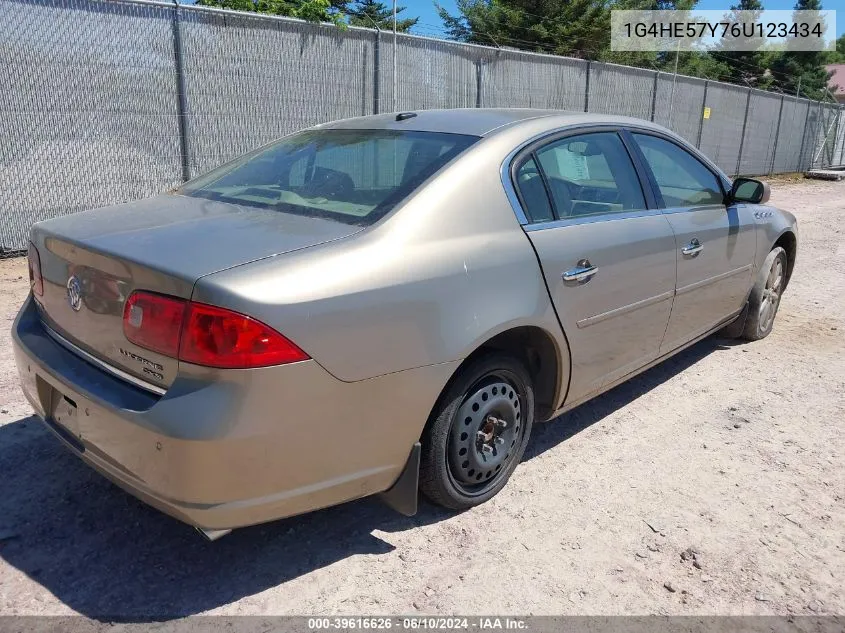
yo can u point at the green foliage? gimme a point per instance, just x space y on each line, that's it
837 56
578 28
564 27
581 28
696 64
366 13
805 69
372 13
746 68
311 10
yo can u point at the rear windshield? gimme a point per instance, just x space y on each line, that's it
353 176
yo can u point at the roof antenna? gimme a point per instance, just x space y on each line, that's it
405 115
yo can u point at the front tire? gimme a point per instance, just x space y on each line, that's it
765 296
477 433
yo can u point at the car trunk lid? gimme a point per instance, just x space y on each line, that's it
92 261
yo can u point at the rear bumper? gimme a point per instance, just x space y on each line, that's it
227 448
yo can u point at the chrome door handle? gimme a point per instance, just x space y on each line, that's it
583 271
693 247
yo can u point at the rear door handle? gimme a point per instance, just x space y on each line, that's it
694 247
583 271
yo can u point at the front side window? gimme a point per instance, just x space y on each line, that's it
352 176
590 174
683 180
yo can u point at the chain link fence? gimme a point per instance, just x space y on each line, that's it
109 101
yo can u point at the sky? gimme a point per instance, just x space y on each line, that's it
431 25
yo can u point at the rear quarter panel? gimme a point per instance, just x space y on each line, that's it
772 223
428 284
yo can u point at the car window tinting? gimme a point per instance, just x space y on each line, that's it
353 176
535 200
683 180
591 174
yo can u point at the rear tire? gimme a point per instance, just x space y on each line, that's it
765 296
477 433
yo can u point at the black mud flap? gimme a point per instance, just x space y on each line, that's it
402 496
735 328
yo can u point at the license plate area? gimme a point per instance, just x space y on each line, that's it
64 413
64 419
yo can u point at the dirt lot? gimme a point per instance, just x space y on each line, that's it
733 450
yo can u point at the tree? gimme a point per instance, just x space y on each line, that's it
695 64
746 68
311 10
837 56
370 13
802 68
692 63
578 28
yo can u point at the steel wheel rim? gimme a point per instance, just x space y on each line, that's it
771 294
486 434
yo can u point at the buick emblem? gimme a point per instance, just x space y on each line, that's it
74 293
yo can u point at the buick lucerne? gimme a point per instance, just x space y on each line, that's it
384 305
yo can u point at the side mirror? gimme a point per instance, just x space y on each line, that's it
750 190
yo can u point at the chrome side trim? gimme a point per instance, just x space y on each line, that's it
590 219
578 128
568 406
114 371
701 207
598 318
711 280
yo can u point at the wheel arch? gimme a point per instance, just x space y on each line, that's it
547 362
788 242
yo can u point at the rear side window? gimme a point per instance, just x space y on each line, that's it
590 174
535 201
683 180
353 176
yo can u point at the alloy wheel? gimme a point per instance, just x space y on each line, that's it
771 294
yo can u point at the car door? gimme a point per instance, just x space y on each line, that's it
608 259
715 244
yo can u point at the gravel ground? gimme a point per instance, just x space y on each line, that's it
712 484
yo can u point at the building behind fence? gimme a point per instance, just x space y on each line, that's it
109 101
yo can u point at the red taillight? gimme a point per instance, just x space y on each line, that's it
36 281
204 335
221 338
154 321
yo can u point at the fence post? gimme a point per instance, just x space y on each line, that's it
777 135
587 88
804 137
701 114
815 134
742 137
842 151
479 82
377 72
835 136
181 97
832 153
819 125
654 94
820 128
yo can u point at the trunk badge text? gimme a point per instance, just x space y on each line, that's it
149 367
74 293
